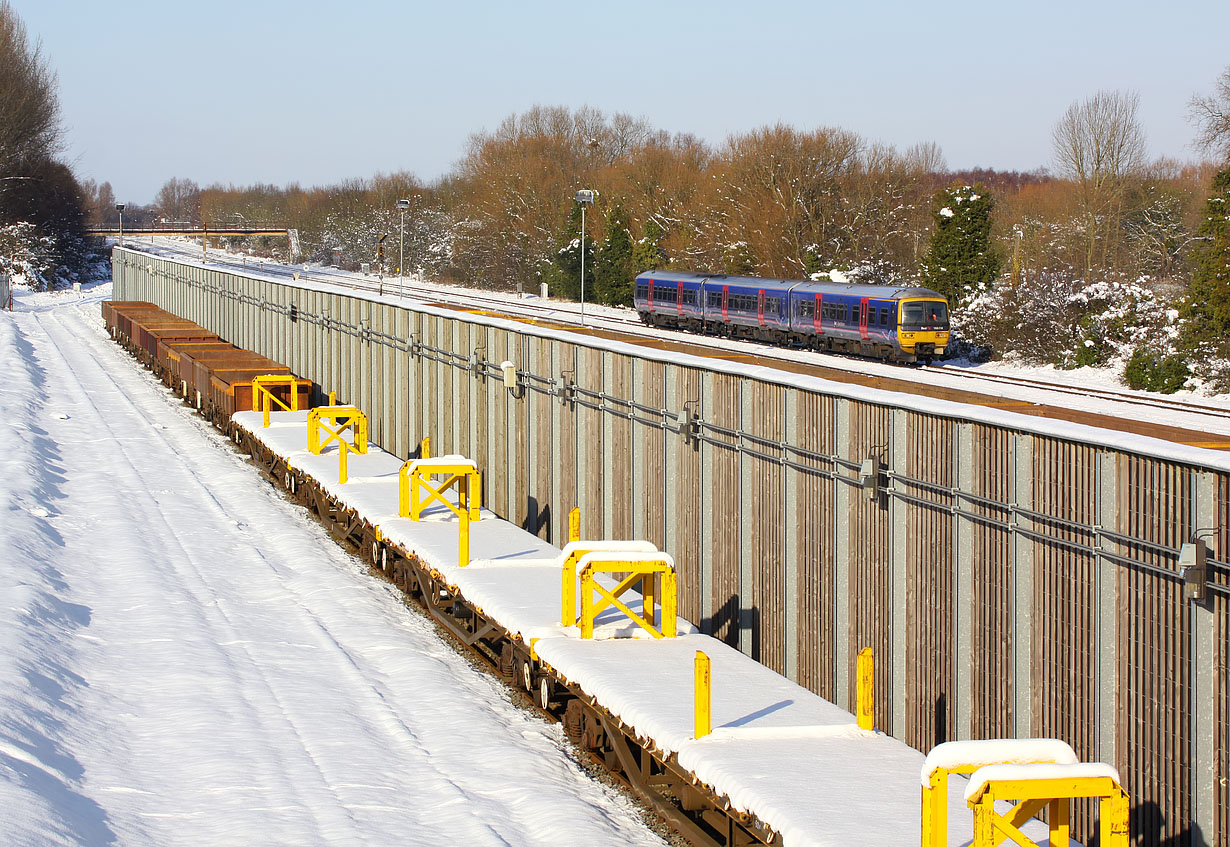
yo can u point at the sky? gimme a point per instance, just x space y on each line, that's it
315 92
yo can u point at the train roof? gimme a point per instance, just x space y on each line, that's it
890 292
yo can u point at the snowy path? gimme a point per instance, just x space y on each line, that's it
186 659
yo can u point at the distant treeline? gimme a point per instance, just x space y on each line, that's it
779 201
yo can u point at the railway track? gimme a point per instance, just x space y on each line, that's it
1123 404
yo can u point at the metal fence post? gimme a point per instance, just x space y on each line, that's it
790 541
843 650
1206 704
1022 553
899 546
1105 603
748 509
963 586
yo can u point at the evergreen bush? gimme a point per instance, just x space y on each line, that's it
1149 370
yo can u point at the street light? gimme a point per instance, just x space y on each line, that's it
585 197
119 207
401 258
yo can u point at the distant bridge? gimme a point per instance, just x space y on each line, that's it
194 232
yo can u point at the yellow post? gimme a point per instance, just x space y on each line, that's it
1061 825
703 714
935 810
866 689
1113 826
425 448
343 452
332 398
574 524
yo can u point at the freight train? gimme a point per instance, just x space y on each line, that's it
899 324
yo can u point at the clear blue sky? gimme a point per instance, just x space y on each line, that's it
315 92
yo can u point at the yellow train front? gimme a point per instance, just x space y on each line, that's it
922 327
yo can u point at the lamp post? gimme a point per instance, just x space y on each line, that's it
401 250
585 197
119 207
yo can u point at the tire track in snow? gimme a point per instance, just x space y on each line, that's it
399 731
370 677
196 601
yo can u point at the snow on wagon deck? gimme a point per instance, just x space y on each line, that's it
791 758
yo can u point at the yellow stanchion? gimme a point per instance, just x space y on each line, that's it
1032 788
425 447
574 524
263 399
415 480
595 597
343 418
866 689
703 721
965 757
572 554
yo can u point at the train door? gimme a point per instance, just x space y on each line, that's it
760 307
725 304
862 319
818 315
651 295
679 297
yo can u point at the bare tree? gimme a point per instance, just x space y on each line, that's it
1099 144
1211 115
104 203
29 109
926 157
179 201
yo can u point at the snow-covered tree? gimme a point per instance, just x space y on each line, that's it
613 266
1207 309
961 261
562 271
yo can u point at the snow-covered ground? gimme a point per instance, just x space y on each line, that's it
186 658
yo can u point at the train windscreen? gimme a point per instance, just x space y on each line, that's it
930 314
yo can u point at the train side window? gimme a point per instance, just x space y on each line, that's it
884 316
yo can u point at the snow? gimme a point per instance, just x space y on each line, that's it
778 751
947 212
185 658
513 576
970 755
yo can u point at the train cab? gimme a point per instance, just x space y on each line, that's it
922 327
